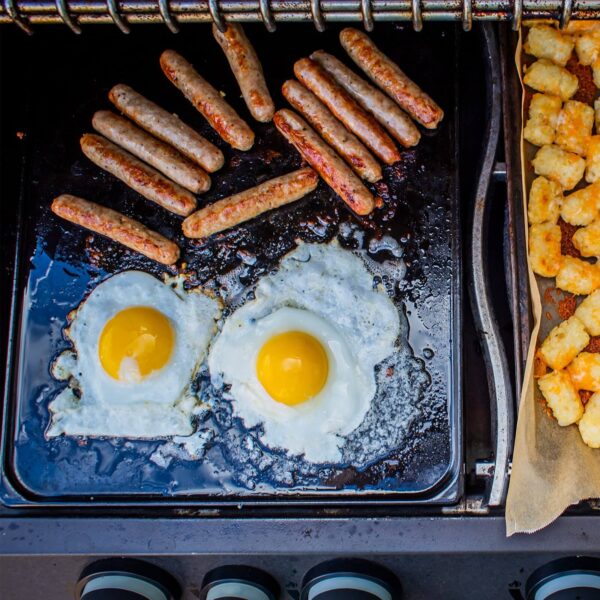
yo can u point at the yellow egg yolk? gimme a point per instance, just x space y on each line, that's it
135 342
292 367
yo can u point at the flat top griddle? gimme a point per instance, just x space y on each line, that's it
60 264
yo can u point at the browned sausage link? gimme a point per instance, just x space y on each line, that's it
247 70
147 148
332 131
341 104
250 203
138 175
166 127
117 227
390 78
222 118
336 173
385 110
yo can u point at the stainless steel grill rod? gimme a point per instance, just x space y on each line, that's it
74 13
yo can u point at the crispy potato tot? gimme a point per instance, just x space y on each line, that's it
592 159
597 114
562 397
540 129
587 240
587 46
564 343
545 76
589 424
544 41
585 371
545 199
545 107
538 133
566 168
544 249
588 312
581 207
574 127
578 276
579 27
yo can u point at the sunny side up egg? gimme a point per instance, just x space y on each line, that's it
137 343
300 357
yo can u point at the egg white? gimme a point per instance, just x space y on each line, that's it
94 403
327 292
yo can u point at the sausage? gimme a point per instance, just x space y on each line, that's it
341 104
247 70
166 127
390 78
138 175
336 173
332 131
117 227
207 100
250 203
385 110
156 153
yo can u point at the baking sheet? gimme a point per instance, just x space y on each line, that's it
552 467
64 85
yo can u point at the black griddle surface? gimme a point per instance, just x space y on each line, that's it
64 81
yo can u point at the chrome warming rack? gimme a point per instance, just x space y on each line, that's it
123 13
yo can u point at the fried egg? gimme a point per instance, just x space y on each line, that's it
300 357
137 343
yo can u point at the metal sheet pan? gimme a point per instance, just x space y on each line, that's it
62 81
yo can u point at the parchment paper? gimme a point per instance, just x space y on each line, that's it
552 467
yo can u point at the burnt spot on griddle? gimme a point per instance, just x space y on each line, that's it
586 92
567 231
594 345
566 307
585 395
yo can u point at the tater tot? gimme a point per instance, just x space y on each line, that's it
587 47
585 371
574 127
587 240
577 276
581 207
564 343
588 312
589 424
538 133
566 168
544 41
545 199
597 114
592 159
545 76
543 116
562 397
579 27
544 249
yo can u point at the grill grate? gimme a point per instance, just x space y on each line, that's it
122 13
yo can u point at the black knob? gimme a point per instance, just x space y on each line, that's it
239 582
126 579
573 578
350 579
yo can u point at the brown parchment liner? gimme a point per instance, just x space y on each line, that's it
552 467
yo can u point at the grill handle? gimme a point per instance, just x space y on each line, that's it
122 13
494 352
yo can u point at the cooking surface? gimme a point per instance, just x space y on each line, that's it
62 263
